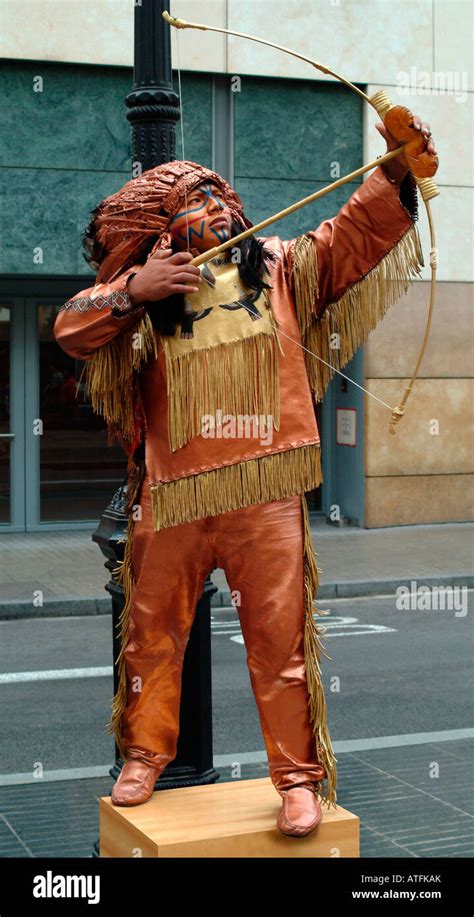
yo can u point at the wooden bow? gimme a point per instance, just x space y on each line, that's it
398 121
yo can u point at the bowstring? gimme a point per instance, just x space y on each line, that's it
338 371
182 137
333 368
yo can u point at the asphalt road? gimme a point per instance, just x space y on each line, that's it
400 672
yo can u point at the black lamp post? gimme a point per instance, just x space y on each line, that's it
153 112
153 103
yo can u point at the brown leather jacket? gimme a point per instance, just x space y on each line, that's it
347 248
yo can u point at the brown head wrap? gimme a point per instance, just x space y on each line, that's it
144 207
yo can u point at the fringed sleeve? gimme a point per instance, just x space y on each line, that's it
346 273
101 326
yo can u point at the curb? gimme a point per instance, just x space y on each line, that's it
72 606
66 606
361 588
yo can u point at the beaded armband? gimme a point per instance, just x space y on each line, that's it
119 302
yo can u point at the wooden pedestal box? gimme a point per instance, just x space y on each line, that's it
235 819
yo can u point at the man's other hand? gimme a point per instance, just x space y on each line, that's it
163 275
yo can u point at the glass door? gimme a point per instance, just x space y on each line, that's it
7 435
12 457
75 472
56 469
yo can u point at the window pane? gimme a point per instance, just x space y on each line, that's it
5 429
79 472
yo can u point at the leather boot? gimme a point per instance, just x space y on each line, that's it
134 784
300 812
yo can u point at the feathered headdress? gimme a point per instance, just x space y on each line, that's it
123 223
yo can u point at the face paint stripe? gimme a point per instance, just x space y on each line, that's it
220 233
200 235
207 191
192 222
184 213
183 228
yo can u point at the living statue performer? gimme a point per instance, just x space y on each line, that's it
170 349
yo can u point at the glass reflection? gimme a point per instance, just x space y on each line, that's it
79 472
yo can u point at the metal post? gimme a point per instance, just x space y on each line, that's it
153 112
154 106
193 762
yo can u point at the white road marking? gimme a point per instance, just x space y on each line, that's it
337 626
8 678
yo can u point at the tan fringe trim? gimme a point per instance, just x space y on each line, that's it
305 281
271 477
240 377
124 577
357 312
313 649
109 372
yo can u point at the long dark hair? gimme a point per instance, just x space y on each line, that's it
167 313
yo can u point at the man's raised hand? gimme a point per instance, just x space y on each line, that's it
163 275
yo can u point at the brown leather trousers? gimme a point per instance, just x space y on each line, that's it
260 548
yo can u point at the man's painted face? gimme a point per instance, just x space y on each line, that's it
206 220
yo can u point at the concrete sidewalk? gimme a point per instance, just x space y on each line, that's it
68 568
402 811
